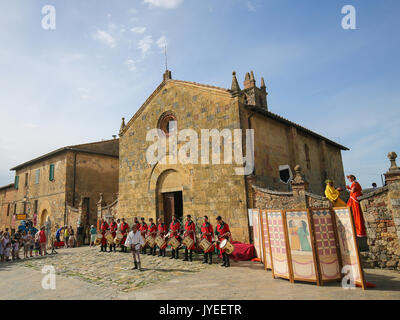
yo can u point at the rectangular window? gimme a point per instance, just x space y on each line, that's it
24 207
26 179
51 174
16 183
35 206
37 176
8 210
15 208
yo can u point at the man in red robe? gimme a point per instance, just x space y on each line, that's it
124 228
152 232
113 230
103 229
190 231
143 230
207 232
223 232
356 192
174 228
161 231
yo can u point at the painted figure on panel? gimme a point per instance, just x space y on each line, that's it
294 237
304 236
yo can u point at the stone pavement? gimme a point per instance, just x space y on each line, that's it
85 273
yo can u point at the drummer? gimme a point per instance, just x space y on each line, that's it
113 230
136 221
174 228
103 228
222 231
207 233
143 229
124 228
190 231
161 232
152 232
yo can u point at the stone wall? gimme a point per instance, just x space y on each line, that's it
7 195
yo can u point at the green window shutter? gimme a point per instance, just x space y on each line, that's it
37 176
16 182
51 176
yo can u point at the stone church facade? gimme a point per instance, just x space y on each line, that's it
163 189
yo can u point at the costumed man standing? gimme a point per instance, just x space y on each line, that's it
124 228
174 228
152 232
222 231
190 230
143 230
135 241
207 232
161 231
103 228
113 230
356 192
333 194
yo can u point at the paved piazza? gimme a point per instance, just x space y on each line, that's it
86 273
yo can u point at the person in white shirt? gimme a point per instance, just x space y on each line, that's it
135 241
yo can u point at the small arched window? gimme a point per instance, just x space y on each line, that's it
165 123
307 153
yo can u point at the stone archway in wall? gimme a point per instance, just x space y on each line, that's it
169 184
44 215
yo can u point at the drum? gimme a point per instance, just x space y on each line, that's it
150 241
205 245
110 238
187 242
97 241
119 235
99 236
227 246
174 243
161 243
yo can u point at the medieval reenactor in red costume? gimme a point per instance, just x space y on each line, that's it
356 192
190 231
113 229
143 230
207 232
152 232
223 232
103 228
174 228
124 228
162 231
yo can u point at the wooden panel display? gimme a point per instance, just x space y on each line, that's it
257 234
265 240
301 246
278 243
349 251
326 245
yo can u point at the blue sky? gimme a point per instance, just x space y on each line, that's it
73 84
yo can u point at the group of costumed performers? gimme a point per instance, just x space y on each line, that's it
355 189
143 235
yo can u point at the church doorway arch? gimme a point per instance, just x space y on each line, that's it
43 217
169 195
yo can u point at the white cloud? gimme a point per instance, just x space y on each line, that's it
250 6
145 45
131 64
105 38
138 30
162 42
168 4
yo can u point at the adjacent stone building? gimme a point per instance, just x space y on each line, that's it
7 206
45 187
162 189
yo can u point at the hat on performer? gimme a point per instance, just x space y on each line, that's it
328 181
219 218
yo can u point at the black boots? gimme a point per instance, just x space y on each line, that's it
111 247
144 250
191 256
172 254
124 249
136 265
176 254
151 251
160 252
163 252
186 255
226 262
207 258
